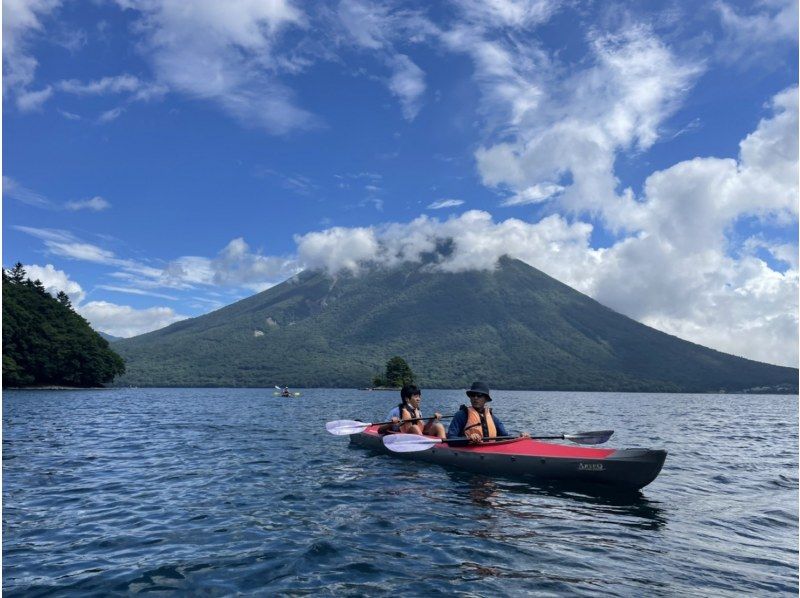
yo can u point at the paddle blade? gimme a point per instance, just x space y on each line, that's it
345 427
596 437
408 443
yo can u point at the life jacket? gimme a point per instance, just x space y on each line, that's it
484 420
407 412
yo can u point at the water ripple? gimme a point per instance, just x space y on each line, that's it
232 491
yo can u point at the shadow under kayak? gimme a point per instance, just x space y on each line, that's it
628 469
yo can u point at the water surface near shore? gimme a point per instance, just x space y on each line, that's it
235 490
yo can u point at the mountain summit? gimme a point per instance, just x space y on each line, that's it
514 327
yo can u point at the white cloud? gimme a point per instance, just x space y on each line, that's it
374 26
751 36
14 190
126 321
135 291
508 13
616 104
368 24
676 270
110 115
445 203
408 84
236 265
28 101
535 194
508 70
22 19
69 115
233 63
65 244
55 281
337 248
95 204
82 251
129 84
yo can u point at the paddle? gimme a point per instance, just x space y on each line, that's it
411 443
345 427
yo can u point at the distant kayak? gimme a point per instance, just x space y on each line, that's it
285 394
628 469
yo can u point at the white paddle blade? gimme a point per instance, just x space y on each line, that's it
408 443
597 437
345 427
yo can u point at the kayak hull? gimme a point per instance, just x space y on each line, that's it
625 469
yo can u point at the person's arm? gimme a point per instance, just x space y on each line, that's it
457 424
394 418
501 429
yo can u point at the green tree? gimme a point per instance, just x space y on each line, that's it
63 299
46 342
398 372
17 273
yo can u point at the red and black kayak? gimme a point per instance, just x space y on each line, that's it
524 458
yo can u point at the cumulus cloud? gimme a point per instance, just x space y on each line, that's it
126 321
56 280
675 270
94 204
237 265
569 143
337 248
118 320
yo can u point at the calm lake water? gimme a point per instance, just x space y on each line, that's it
224 491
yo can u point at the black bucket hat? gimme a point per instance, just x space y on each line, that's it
479 388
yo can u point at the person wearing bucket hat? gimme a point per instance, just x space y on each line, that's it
477 422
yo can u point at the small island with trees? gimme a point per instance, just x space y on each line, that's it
398 374
47 344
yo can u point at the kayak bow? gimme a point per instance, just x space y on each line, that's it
524 458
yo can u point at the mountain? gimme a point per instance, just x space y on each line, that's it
110 337
46 343
514 327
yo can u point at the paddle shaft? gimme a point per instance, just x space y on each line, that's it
406 421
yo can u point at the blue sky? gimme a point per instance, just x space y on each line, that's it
163 158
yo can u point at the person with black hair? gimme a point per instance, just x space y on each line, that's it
404 415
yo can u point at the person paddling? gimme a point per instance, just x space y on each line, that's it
408 409
477 421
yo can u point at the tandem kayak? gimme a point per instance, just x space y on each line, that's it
523 458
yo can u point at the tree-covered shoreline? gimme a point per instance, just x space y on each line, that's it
46 345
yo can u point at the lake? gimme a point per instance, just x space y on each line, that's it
219 491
